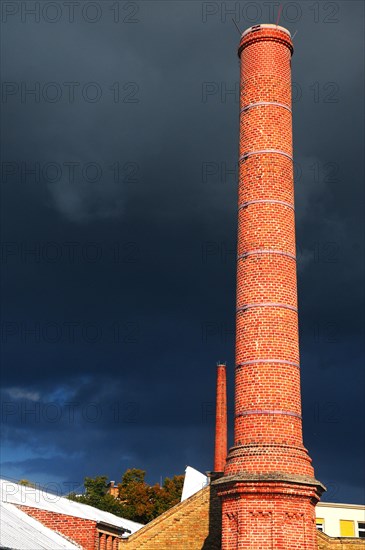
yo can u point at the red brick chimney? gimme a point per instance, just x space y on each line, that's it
268 489
220 453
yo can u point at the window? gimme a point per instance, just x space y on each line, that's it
347 528
361 529
320 524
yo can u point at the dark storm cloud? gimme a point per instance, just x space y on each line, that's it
118 253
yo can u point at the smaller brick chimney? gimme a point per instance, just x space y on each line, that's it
220 453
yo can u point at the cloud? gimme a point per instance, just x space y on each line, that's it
23 393
161 292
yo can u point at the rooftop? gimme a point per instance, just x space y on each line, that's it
13 493
21 532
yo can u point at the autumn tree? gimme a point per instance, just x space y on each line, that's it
135 496
168 495
136 499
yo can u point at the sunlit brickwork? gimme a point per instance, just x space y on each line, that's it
220 451
268 489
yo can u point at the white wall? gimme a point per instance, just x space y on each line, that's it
332 513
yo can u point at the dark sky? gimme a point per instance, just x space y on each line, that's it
119 231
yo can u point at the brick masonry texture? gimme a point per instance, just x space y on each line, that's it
79 530
192 524
84 532
266 497
328 543
268 490
220 451
195 524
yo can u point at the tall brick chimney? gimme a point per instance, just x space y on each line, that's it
220 453
268 489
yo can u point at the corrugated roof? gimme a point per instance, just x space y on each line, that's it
18 531
38 498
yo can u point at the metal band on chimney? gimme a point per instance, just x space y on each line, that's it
266 304
266 361
272 151
263 201
259 103
263 251
268 411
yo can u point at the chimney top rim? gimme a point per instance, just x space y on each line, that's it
254 28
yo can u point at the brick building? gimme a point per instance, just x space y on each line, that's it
264 492
113 489
21 532
268 490
84 526
196 524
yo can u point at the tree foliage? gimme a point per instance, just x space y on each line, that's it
136 499
96 494
26 482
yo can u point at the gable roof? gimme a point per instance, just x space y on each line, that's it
18 531
14 493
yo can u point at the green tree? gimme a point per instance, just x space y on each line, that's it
136 500
26 482
96 494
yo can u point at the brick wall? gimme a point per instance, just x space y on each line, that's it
81 531
190 525
268 424
268 490
195 524
220 449
328 543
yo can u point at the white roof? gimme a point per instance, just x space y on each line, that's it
193 482
19 531
38 498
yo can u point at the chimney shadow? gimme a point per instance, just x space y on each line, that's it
214 538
